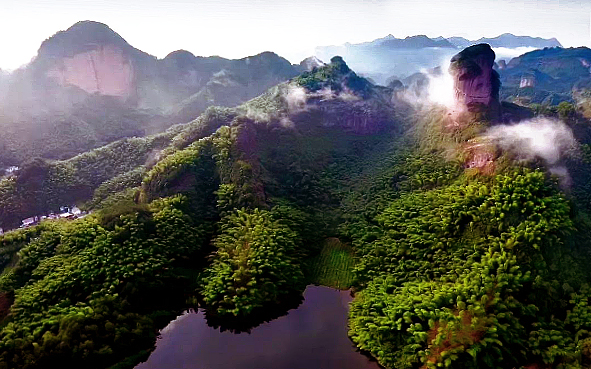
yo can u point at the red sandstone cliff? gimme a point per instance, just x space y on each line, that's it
476 83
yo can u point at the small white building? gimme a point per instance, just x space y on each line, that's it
66 215
8 171
29 222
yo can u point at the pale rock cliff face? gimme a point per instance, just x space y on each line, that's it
476 83
105 70
585 63
527 81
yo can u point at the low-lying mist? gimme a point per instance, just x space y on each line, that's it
544 138
547 139
505 53
437 87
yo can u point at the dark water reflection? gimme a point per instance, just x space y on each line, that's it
312 336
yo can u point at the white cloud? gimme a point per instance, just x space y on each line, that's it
544 138
538 138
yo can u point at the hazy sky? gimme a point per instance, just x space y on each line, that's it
291 28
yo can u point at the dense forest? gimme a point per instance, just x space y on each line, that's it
42 185
454 266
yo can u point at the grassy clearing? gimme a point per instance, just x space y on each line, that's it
333 267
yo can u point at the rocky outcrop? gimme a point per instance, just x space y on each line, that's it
476 83
92 57
95 59
105 70
478 106
476 88
356 116
480 155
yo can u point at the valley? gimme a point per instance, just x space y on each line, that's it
236 199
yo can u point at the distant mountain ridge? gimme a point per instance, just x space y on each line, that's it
508 40
389 56
410 42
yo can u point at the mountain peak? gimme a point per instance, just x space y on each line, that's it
265 55
182 59
180 54
80 37
418 37
93 26
512 41
310 63
339 64
336 76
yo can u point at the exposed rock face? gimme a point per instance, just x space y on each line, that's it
481 156
91 56
104 70
527 81
476 83
476 86
355 116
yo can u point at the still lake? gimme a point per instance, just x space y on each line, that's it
314 335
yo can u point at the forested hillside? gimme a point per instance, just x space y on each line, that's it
479 261
228 218
547 76
469 254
